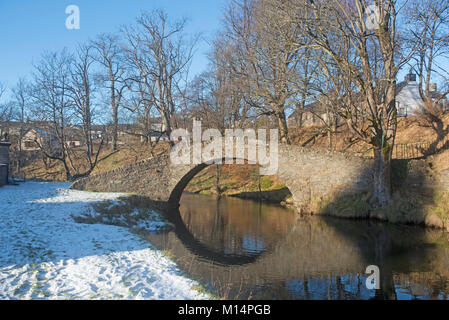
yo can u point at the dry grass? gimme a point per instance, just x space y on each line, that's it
353 206
126 154
440 161
410 130
234 179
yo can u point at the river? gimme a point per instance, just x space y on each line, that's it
243 249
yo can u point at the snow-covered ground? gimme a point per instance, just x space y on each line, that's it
45 254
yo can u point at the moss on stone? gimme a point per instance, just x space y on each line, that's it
399 172
345 206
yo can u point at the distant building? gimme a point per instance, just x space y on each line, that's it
11 128
26 133
97 132
408 99
408 102
74 137
154 136
35 137
313 114
29 141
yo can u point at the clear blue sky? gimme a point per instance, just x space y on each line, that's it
30 27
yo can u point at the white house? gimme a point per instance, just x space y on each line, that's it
408 103
408 99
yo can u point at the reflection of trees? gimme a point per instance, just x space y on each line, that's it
397 250
314 258
218 222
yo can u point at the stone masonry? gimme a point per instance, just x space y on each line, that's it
309 174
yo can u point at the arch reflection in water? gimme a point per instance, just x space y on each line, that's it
243 249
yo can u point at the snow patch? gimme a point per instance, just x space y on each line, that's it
45 254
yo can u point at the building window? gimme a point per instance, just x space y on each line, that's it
404 110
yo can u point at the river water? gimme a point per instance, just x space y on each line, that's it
243 249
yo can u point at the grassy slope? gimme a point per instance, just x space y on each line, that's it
410 130
126 154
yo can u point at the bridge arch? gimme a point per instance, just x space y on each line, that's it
176 193
311 175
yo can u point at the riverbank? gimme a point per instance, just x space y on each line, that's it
46 254
420 196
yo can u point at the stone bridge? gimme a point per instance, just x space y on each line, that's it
310 175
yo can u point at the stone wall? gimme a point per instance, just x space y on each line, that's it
421 174
3 174
4 162
309 175
314 175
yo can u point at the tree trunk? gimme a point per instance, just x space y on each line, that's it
114 112
283 128
217 180
382 180
166 123
114 128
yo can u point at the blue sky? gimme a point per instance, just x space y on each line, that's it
30 27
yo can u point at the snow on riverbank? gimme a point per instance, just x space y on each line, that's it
132 212
45 254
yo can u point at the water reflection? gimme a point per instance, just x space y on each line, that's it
233 226
243 249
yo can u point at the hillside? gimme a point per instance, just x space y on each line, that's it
126 154
413 134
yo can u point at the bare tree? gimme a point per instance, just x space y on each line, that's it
81 91
21 98
6 109
228 83
264 36
52 108
213 100
146 117
61 94
109 53
307 73
429 29
158 52
2 89
21 102
364 59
